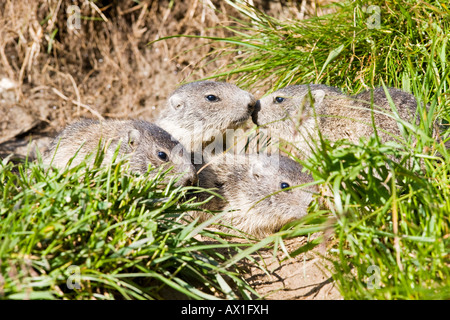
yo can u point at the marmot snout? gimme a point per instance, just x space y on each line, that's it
199 111
260 192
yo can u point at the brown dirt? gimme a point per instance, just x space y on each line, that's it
304 277
51 75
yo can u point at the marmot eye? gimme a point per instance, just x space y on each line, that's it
279 99
163 156
284 185
212 98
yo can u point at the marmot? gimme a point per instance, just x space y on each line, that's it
197 113
287 114
261 189
144 142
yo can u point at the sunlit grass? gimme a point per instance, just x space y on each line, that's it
114 234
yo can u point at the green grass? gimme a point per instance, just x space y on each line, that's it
394 219
389 220
115 234
346 49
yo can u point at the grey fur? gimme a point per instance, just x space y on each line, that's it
140 140
251 185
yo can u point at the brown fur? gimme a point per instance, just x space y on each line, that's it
195 121
338 116
251 185
140 140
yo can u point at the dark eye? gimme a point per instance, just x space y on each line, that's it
279 99
284 185
163 156
212 98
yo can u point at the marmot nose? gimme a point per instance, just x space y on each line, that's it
192 180
256 109
187 179
251 105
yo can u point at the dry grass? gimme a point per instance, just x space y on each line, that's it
106 68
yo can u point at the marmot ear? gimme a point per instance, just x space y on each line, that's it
318 96
133 137
256 170
176 102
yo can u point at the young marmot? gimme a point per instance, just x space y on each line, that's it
260 193
143 142
288 114
198 114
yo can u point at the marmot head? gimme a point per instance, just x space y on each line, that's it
262 193
149 144
141 142
291 102
199 111
288 114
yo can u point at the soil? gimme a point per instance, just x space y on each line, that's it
304 277
51 75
